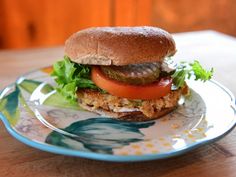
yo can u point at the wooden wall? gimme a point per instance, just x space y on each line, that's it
43 23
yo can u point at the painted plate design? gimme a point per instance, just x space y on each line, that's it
35 114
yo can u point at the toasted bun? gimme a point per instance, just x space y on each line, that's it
119 45
130 116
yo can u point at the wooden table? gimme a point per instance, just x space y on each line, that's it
218 159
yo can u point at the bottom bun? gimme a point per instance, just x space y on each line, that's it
129 116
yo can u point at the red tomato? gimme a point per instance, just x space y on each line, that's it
145 92
48 69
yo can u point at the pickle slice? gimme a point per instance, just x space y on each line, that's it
136 74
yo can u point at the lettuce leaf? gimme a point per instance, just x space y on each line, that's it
71 76
187 70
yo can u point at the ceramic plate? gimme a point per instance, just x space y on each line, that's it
35 114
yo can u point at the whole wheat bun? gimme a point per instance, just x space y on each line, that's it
130 116
119 45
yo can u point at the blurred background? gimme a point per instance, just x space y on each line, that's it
47 23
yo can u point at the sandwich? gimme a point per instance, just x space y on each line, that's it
124 72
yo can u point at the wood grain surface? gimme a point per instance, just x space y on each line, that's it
217 159
34 23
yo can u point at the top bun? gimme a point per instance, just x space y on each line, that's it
119 45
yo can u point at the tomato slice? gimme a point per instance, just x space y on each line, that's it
145 92
48 69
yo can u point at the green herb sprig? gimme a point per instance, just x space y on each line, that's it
187 70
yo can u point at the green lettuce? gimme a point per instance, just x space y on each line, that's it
72 76
187 70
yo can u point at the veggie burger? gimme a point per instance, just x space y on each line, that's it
124 72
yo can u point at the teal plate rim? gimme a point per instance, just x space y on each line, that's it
118 158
